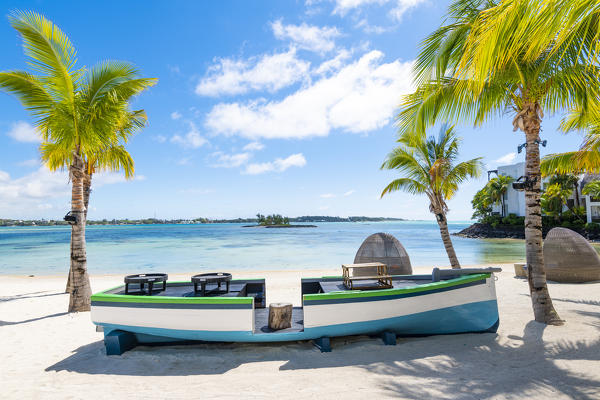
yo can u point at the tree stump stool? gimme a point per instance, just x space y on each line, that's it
280 316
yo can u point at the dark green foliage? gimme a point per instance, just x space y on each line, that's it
592 227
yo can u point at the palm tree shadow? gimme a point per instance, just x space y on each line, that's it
486 368
29 296
6 323
469 366
581 301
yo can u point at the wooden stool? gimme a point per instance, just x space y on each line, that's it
280 316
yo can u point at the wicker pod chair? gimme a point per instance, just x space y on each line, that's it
386 249
570 258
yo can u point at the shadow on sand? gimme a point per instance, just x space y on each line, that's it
470 365
29 296
5 323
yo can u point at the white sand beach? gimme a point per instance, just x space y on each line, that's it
49 354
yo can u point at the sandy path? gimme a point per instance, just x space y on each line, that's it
46 353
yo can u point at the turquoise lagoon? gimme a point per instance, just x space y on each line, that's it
208 247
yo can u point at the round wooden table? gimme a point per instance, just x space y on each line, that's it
213 277
143 279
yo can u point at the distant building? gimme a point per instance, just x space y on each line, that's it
514 200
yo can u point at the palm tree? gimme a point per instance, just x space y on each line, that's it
592 189
428 167
114 157
553 199
466 72
81 117
497 188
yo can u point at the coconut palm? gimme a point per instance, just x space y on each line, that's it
455 85
592 189
497 188
79 114
428 166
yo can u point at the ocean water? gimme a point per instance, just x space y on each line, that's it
196 248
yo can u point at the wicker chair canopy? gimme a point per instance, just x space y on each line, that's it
569 257
384 248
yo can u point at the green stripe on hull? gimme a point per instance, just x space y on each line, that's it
166 299
392 292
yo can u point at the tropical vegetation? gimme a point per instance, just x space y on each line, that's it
275 219
523 57
428 165
83 118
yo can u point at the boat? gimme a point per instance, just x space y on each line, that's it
162 311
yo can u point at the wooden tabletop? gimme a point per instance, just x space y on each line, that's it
364 265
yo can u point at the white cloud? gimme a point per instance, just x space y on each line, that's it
176 115
32 195
335 63
507 159
230 160
397 10
184 161
270 72
360 97
307 37
22 131
34 162
160 138
327 196
279 165
110 178
349 192
254 146
191 139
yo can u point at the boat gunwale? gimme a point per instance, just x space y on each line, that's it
104 296
432 286
116 298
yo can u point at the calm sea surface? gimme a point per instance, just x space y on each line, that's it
197 248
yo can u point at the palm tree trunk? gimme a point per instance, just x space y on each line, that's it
87 184
80 281
543 308
443 224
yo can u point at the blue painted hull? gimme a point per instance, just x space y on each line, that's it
472 317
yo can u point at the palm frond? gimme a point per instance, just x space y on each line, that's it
406 185
50 52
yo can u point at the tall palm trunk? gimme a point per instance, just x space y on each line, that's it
543 309
87 188
443 224
80 281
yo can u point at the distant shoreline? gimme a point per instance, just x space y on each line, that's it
154 221
279 226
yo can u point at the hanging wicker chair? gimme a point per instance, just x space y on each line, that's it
569 257
386 249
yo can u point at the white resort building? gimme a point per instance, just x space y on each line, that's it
514 200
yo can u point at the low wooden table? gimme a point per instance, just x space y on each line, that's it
383 279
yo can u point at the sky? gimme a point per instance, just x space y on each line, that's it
261 106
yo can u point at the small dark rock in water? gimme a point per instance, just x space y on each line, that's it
31 276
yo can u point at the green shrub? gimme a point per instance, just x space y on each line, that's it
494 225
577 223
592 227
566 224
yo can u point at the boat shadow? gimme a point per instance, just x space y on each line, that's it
456 366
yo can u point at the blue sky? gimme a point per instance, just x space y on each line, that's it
261 106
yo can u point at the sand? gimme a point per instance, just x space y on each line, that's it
46 353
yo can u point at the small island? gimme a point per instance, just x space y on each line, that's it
275 221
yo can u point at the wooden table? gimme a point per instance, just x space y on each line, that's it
383 279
